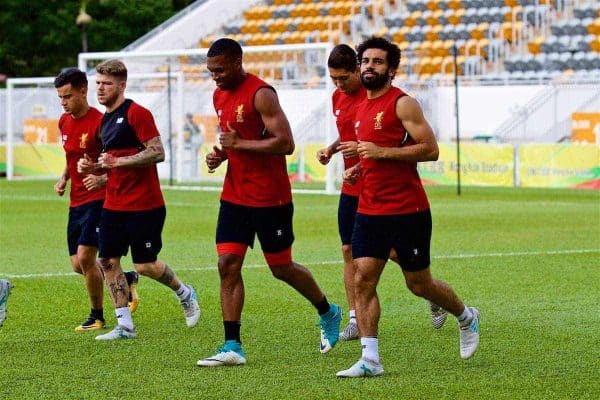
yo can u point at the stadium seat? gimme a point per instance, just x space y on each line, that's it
480 31
593 28
535 46
456 17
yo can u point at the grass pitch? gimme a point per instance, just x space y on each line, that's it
528 259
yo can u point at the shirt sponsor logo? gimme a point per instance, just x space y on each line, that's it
119 120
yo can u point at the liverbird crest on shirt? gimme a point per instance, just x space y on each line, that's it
83 141
378 118
239 113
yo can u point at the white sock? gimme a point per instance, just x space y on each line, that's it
124 317
370 348
465 318
183 292
352 316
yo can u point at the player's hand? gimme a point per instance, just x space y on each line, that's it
93 182
352 174
60 186
370 150
86 165
107 161
323 156
348 149
214 159
228 139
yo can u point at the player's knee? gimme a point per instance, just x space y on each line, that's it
363 282
145 269
77 268
347 251
229 266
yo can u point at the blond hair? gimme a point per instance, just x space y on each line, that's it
114 68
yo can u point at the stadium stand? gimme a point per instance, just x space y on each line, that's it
493 38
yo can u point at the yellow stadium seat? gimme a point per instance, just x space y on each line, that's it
436 64
434 19
454 4
403 46
422 66
480 31
438 49
432 5
425 49
412 18
594 27
456 18
514 10
535 46
382 31
433 34
313 10
330 36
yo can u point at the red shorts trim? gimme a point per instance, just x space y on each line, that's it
238 249
280 258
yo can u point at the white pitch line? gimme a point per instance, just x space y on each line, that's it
442 257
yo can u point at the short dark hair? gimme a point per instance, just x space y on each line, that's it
225 47
393 52
343 57
74 76
114 68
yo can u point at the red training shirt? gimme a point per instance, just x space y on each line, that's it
390 187
252 179
80 136
344 111
123 133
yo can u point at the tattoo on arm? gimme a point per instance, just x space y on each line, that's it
150 155
167 277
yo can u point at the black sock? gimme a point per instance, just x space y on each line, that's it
97 314
322 306
232 330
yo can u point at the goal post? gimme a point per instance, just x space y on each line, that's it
297 71
33 142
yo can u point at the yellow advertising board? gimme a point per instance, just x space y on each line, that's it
480 165
39 160
559 165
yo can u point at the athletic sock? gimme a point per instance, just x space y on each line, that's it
232 330
465 318
183 292
97 314
124 317
370 348
352 314
323 306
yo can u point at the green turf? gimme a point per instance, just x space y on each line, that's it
529 259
